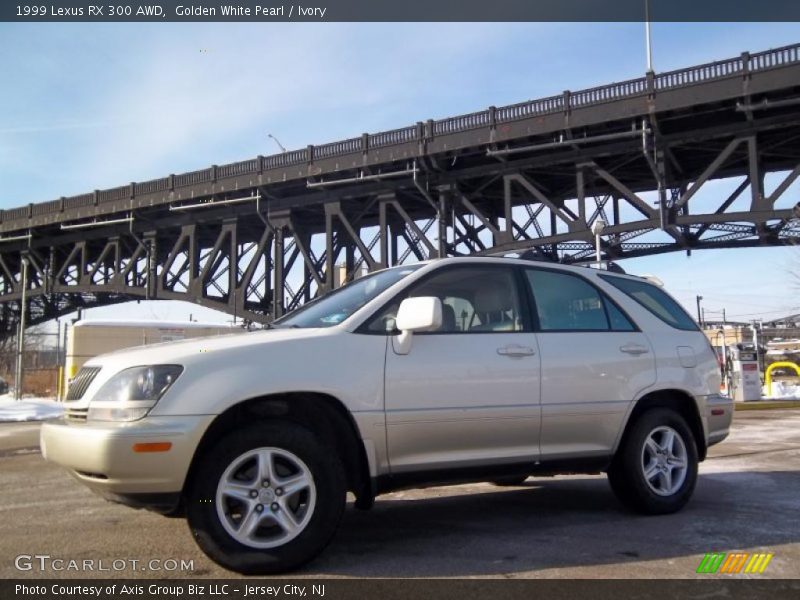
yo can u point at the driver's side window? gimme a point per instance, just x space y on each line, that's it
475 299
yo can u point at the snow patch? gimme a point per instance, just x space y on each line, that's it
29 409
782 390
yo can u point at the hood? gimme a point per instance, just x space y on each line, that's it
193 350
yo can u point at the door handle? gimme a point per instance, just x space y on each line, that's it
634 349
514 351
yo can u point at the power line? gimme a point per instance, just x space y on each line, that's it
756 305
768 312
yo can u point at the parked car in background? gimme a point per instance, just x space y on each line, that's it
3 386
453 370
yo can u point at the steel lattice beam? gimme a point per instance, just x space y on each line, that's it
261 237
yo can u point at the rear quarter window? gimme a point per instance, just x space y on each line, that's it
654 299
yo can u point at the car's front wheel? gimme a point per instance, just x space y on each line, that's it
266 499
655 469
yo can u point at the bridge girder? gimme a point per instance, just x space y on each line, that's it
257 248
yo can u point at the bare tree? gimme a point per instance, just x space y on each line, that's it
35 340
8 355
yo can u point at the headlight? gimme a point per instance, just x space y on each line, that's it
130 394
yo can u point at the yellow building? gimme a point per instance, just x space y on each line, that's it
89 338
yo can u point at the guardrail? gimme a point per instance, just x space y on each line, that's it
650 84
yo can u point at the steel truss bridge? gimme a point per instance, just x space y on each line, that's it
258 238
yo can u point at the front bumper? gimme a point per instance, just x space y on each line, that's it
101 455
718 417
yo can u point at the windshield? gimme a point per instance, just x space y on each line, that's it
333 308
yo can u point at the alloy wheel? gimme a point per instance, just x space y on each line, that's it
266 497
664 461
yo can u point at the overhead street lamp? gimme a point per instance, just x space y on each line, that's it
274 139
597 229
21 330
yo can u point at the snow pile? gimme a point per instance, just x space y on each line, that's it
29 409
784 390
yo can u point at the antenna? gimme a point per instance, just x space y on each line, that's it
274 139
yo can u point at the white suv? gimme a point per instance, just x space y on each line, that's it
454 370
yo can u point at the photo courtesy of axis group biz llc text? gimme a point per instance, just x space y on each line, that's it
399 300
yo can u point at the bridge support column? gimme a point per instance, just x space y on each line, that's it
394 235
278 274
443 220
758 201
383 231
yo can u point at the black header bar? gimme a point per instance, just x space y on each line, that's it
32 11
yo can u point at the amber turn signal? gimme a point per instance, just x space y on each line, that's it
152 447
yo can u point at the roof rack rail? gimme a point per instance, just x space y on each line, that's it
536 255
613 267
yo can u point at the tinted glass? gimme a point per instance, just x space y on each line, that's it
619 322
474 300
655 300
335 307
566 303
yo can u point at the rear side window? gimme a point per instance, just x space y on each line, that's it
655 300
565 302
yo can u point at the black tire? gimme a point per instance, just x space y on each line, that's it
511 481
626 473
330 488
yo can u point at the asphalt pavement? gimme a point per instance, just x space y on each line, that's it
747 499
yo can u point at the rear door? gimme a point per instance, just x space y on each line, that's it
594 361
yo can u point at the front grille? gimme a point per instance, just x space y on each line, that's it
81 382
76 415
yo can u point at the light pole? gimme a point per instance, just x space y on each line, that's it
756 344
724 359
21 331
274 139
597 229
648 41
699 314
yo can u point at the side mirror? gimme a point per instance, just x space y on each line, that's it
416 314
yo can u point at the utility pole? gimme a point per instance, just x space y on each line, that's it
699 314
756 346
21 331
58 360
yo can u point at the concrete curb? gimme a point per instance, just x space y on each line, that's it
766 404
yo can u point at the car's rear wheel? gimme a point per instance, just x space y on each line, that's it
655 469
266 499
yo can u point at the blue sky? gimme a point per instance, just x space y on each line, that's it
95 106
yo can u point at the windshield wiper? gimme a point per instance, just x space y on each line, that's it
272 326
